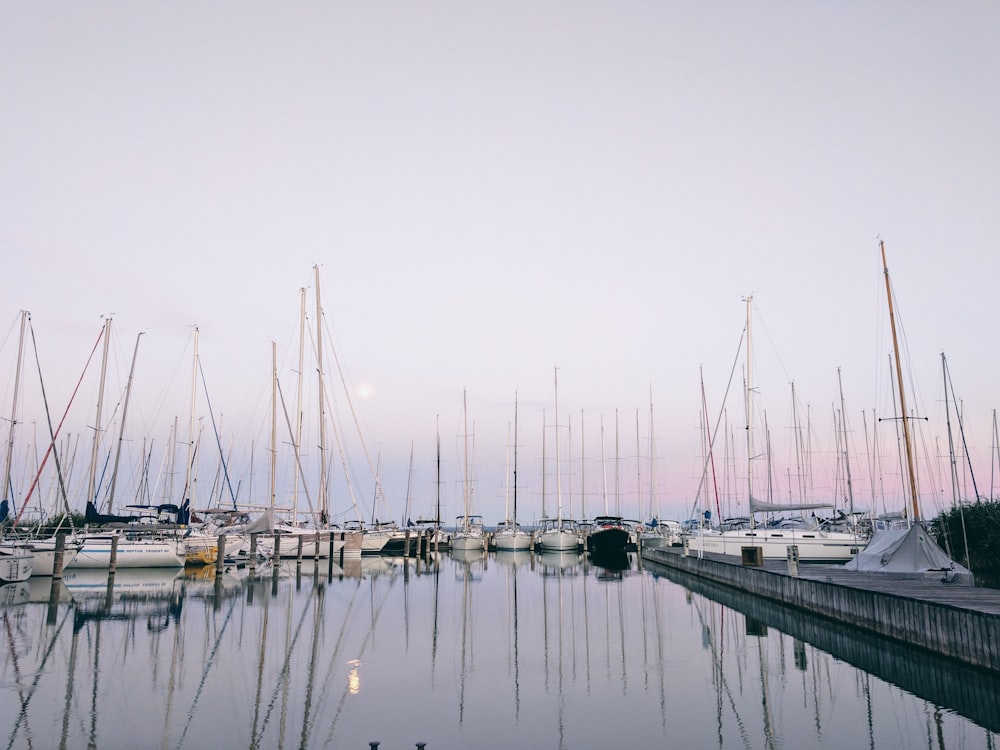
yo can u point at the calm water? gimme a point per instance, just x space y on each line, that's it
496 651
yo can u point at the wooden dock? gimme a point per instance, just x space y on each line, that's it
954 621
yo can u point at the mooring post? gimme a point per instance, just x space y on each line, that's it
792 553
60 557
113 564
220 553
253 553
329 562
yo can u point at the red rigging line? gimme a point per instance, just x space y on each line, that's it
55 434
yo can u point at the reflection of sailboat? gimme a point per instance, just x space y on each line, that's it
558 561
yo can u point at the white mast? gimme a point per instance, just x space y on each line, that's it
13 406
188 490
92 497
121 430
298 398
748 407
555 371
323 502
274 423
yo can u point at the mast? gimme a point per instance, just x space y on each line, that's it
437 431
638 465
604 469
555 371
97 424
515 460
748 407
194 385
847 453
911 473
323 502
13 407
121 430
583 472
465 459
298 396
544 514
274 424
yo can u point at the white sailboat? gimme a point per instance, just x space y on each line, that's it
509 535
813 542
909 551
558 534
469 534
130 545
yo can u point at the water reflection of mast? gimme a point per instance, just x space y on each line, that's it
714 643
261 655
24 699
434 628
313 656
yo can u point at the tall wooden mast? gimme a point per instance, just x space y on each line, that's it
911 473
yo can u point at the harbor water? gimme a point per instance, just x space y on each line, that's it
461 650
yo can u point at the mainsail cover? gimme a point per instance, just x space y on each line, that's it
762 506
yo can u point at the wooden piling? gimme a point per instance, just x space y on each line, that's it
220 555
113 561
60 557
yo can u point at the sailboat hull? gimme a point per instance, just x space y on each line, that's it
462 540
559 540
813 546
130 553
512 540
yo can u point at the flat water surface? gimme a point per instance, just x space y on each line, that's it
465 650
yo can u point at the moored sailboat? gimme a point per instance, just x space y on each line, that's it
812 541
509 535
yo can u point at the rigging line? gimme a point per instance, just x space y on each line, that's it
222 455
53 434
961 429
354 416
715 432
295 448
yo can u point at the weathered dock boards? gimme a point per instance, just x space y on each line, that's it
959 622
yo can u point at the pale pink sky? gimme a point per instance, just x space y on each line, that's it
491 190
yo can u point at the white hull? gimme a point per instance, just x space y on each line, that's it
813 546
372 542
288 546
44 553
131 553
464 540
512 540
559 540
16 565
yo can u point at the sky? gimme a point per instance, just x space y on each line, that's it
563 203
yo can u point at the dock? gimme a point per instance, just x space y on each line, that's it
925 612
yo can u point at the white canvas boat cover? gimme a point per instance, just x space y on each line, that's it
262 524
903 551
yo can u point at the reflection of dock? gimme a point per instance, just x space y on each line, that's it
967 690
959 622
